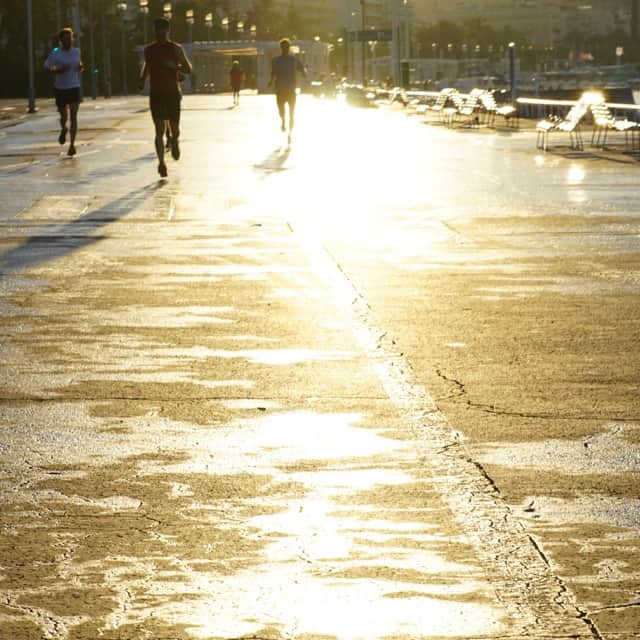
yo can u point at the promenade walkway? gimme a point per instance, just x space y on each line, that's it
378 384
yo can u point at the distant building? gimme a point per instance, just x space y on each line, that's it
546 22
238 7
376 13
323 15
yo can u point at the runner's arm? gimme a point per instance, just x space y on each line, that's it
144 72
54 68
185 65
273 73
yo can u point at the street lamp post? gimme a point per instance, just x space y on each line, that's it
436 66
512 70
166 10
122 8
339 63
189 17
106 54
76 21
225 26
208 20
92 53
372 71
32 83
144 10
364 44
253 29
190 20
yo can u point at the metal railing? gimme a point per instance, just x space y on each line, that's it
538 108
531 108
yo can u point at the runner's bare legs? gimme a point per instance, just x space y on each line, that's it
160 125
292 111
283 126
73 129
174 128
64 115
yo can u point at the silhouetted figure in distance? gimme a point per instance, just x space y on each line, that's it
284 70
236 80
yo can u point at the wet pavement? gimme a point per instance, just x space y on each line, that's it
382 383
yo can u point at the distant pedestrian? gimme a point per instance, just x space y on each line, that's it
236 80
65 63
284 69
164 61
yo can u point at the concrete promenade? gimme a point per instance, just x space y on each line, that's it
380 384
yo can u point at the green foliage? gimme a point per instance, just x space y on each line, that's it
13 45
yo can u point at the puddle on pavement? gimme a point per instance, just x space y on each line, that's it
210 539
139 316
277 357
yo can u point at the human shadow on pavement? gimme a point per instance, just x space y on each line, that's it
54 241
124 168
274 162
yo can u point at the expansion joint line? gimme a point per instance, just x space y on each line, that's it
536 600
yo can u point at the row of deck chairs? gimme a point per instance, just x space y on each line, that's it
603 122
479 107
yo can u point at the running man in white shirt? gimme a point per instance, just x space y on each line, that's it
66 65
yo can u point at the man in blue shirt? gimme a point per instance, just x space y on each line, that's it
65 64
283 72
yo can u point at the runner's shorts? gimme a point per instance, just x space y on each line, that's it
286 97
165 106
67 96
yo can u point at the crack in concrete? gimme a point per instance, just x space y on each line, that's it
512 557
484 474
538 548
460 385
461 390
52 627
